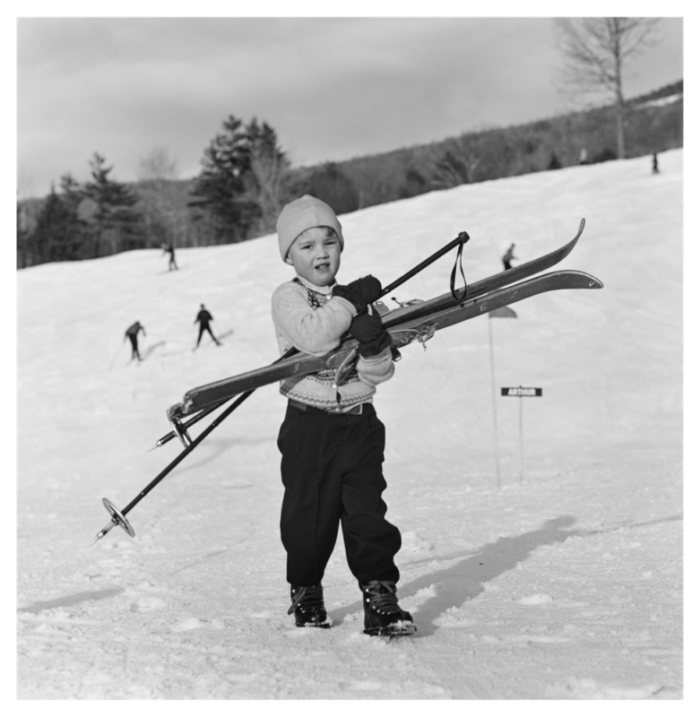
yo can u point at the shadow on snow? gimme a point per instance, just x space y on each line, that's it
465 580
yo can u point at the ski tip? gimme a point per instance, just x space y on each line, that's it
581 227
584 280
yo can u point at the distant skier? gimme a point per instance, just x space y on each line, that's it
508 257
654 164
583 156
203 319
170 249
132 333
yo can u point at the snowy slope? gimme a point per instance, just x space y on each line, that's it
566 584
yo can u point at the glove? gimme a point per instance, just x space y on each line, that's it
360 292
372 336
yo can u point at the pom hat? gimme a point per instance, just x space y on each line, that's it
302 214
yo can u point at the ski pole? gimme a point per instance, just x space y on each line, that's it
183 427
205 412
119 517
460 240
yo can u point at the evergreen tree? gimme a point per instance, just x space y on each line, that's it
220 187
241 179
112 215
58 235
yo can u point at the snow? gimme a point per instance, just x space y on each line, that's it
564 583
661 101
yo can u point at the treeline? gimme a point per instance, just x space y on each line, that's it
246 178
80 220
237 191
511 151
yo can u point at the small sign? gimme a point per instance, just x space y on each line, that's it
521 391
505 312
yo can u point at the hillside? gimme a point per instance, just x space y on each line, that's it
564 583
654 123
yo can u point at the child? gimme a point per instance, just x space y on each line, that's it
331 440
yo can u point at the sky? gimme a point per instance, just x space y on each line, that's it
332 87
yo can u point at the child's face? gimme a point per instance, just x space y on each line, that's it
315 255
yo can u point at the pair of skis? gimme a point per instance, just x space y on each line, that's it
414 322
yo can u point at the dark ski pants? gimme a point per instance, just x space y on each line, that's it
134 346
332 475
202 329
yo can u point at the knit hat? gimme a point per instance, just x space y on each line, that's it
302 214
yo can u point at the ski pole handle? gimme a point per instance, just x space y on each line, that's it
461 239
202 414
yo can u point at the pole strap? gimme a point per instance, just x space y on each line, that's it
463 239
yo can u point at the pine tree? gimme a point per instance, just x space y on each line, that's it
112 215
241 180
58 235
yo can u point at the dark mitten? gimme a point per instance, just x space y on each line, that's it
360 292
370 333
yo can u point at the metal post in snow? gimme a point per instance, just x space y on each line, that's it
520 401
505 312
521 393
495 414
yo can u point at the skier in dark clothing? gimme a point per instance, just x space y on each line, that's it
170 249
203 319
508 257
132 333
654 164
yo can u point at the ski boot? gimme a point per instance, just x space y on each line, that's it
308 607
383 615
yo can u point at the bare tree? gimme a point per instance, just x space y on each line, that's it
158 165
457 163
157 172
269 166
597 50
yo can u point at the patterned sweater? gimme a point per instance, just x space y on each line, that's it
312 320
